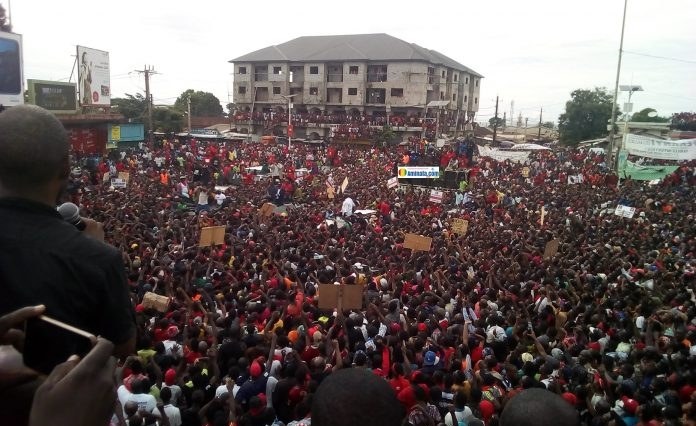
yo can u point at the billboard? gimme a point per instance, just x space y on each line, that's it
11 79
54 96
418 172
94 77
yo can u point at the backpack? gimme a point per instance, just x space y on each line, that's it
455 420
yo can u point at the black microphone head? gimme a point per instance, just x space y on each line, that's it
69 212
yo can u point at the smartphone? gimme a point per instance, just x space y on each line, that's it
49 342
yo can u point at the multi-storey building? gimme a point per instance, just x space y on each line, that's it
347 79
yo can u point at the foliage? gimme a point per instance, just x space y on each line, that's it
4 24
230 107
384 136
586 116
548 125
684 121
167 120
492 121
134 108
643 116
203 104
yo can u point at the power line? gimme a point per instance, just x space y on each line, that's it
687 61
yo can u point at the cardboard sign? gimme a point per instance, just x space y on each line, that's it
155 301
543 215
344 185
436 196
551 248
345 297
460 226
417 242
330 192
266 210
392 182
124 175
525 172
212 235
118 183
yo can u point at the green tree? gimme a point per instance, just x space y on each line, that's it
384 136
167 119
644 116
492 121
203 104
684 121
133 107
586 116
4 24
548 125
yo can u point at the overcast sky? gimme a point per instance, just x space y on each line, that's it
534 52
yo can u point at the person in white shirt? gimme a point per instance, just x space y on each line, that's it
173 413
220 197
348 206
139 395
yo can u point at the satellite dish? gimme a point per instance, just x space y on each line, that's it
652 114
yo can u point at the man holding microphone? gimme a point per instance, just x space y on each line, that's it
46 260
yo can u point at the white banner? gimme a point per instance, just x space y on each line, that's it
498 155
94 76
118 183
645 146
575 179
392 182
436 196
625 211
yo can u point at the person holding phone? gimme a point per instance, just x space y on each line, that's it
47 260
78 391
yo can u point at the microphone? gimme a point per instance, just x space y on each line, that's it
71 214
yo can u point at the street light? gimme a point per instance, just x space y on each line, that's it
289 98
628 108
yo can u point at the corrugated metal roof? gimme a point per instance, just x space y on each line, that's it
352 47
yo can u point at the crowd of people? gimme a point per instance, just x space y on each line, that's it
603 327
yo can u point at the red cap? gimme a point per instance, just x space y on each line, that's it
422 327
630 405
570 398
139 308
487 409
170 377
255 370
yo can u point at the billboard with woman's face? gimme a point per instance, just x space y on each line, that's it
11 80
94 76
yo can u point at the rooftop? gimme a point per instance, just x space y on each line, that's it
352 47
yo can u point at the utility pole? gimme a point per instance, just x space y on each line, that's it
612 122
188 107
148 71
495 122
540 116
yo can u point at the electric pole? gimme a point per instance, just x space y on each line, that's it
495 122
541 112
148 71
188 107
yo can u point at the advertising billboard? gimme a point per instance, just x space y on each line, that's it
11 79
94 77
54 96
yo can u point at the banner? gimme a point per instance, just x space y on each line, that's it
392 182
419 172
498 155
436 196
94 76
118 183
645 146
575 179
640 172
55 96
460 226
625 211
417 242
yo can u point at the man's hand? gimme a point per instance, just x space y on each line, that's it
88 383
11 336
93 228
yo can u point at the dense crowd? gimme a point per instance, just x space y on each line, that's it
607 322
546 303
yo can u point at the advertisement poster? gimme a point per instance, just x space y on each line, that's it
11 79
94 77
